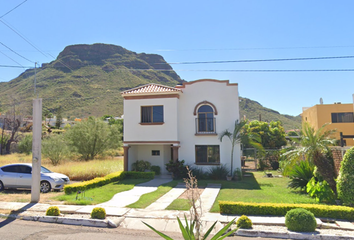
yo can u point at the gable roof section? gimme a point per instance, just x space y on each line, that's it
151 89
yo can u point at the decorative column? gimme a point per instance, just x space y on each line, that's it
175 152
126 148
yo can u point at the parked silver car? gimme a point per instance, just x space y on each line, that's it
19 175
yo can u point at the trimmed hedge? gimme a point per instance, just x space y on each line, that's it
280 209
101 181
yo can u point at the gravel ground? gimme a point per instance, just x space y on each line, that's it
281 229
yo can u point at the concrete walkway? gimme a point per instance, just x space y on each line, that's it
122 199
164 201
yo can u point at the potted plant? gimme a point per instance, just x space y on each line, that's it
229 177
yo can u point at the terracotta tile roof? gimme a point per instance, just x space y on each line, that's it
152 88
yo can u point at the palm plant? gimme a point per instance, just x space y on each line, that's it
300 175
314 146
240 136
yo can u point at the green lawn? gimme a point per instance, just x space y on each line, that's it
255 188
100 194
148 198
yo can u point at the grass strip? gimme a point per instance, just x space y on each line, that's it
179 204
100 194
148 198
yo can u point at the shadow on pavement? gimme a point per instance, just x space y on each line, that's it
10 219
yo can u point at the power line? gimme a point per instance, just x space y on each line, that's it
16 52
265 60
13 9
23 38
9 66
251 48
10 58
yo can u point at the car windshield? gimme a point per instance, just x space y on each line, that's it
45 170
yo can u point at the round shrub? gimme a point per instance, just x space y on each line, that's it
244 222
98 213
300 220
52 211
345 181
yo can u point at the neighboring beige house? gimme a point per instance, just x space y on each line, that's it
183 122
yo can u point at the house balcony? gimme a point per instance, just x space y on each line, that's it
205 126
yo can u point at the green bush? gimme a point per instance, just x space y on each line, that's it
300 220
98 213
156 170
218 172
244 222
25 145
199 173
345 181
55 148
320 190
141 166
101 181
93 137
52 211
300 175
280 209
178 169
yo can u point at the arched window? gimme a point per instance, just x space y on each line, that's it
206 121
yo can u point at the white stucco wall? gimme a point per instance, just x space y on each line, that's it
225 98
144 152
133 131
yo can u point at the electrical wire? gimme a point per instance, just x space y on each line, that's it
12 59
9 66
7 25
16 52
13 9
265 60
251 48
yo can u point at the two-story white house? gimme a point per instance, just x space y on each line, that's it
183 122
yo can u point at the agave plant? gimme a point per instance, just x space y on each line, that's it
189 233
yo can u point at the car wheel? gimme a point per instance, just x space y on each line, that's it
45 187
1 186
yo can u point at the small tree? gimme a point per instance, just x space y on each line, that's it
55 148
25 144
93 137
239 136
59 120
314 147
345 182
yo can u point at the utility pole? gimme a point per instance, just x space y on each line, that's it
36 144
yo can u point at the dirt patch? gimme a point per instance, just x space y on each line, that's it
187 192
25 196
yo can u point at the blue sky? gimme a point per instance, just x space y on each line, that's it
189 31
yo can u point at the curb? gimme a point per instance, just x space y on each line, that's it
69 221
290 235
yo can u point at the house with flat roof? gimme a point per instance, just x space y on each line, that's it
338 116
182 122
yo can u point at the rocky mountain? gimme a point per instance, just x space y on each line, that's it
86 80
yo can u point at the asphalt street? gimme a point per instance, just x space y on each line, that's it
26 230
